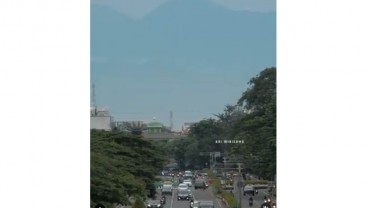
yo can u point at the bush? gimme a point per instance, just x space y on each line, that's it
138 203
253 182
217 185
230 199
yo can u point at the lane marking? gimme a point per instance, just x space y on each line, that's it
172 200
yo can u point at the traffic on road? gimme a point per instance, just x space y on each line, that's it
194 190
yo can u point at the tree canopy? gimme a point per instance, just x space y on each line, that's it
122 166
252 120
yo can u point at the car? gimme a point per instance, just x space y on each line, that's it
248 190
167 189
188 182
188 172
206 204
154 204
199 183
184 194
188 176
183 186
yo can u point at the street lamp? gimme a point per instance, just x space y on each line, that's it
240 185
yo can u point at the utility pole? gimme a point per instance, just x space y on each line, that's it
210 160
240 185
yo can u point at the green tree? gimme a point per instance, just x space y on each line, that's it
258 127
122 165
138 203
252 119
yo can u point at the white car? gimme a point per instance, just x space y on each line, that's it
183 186
195 204
188 182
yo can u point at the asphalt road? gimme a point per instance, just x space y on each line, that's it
198 194
257 199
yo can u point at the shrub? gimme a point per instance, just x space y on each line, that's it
217 185
253 182
138 203
230 199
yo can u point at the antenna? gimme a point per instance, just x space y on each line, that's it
93 96
171 121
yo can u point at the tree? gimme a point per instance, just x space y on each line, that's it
138 203
122 165
258 127
252 119
262 91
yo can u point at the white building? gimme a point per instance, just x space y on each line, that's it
100 119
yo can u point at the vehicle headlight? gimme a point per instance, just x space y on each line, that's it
149 205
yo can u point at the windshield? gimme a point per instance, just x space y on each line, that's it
183 191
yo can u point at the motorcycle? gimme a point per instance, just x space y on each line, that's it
250 201
191 203
163 200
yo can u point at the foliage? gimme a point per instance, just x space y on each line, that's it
122 165
138 203
254 182
217 186
210 173
258 127
230 199
252 120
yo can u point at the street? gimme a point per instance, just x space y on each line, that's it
200 194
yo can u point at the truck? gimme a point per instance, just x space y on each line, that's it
199 183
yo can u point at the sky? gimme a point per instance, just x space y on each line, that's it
191 57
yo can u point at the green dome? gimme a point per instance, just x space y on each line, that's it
155 124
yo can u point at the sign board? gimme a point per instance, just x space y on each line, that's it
217 154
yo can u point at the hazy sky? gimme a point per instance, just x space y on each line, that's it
192 57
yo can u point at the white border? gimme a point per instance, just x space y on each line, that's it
44 91
322 105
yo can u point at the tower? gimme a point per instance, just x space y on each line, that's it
93 97
171 121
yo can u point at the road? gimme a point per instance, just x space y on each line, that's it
257 199
200 194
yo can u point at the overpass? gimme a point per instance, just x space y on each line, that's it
162 136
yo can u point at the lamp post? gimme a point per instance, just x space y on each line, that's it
240 185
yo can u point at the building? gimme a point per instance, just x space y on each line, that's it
135 127
100 119
155 127
185 129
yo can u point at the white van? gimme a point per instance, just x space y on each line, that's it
248 190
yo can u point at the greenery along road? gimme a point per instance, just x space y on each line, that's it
251 120
124 165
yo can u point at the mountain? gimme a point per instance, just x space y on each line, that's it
185 29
